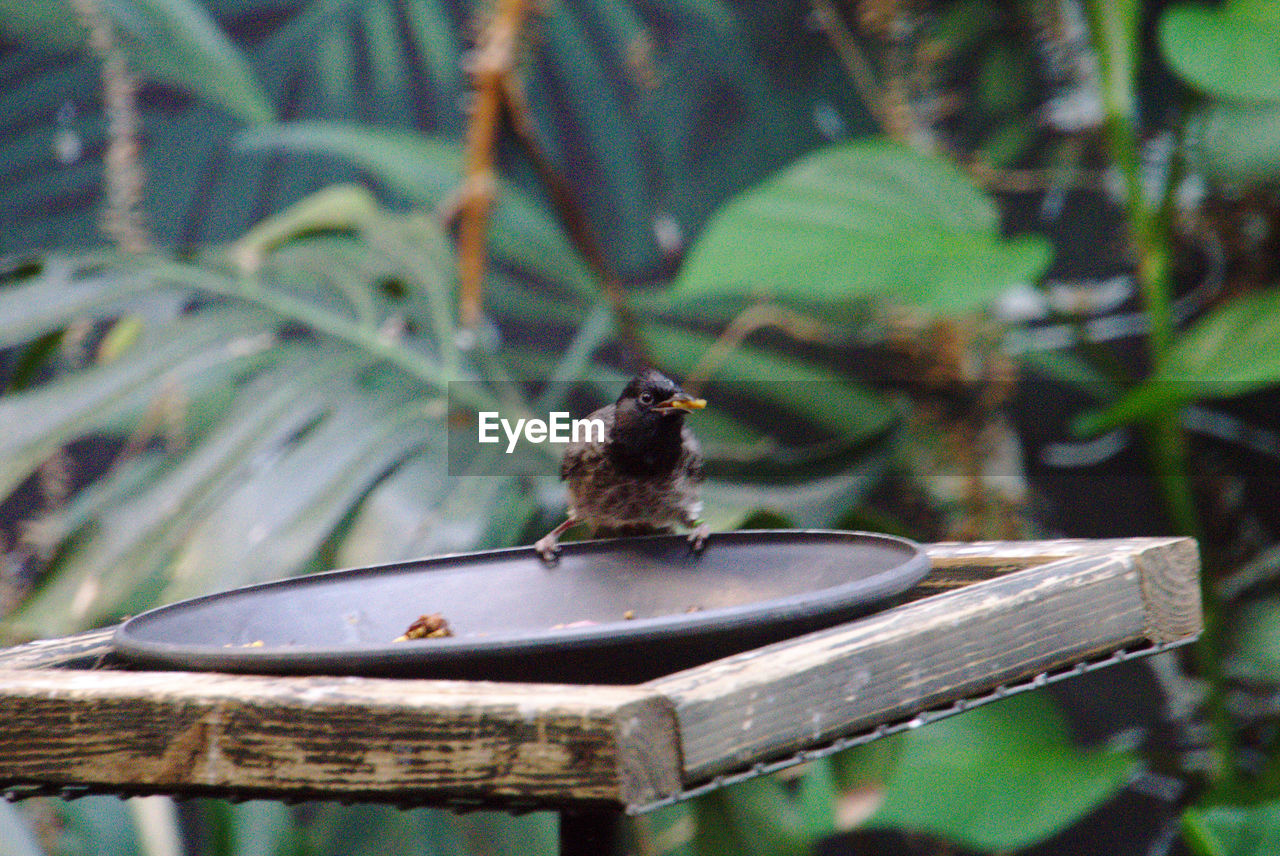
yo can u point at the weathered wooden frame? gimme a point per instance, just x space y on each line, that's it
989 614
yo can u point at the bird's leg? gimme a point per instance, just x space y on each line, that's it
548 545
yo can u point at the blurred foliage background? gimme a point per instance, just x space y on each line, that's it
956 269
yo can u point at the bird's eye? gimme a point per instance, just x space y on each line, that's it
646 398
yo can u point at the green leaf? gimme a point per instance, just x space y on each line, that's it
429 171
421 167
1233 350
285 398
1253 653
755 818
1070 368
1231 52
1001 777
813 503
175 41
1234 830
44 419
64 289
339 207
1236 142
52 25
856 221
178 42
810 390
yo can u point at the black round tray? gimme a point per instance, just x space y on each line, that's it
613 611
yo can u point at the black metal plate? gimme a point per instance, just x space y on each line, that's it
507 609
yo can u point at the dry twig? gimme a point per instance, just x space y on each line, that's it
123 175
795 324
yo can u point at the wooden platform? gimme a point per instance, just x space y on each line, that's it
989 615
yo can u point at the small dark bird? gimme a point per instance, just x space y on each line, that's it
645 475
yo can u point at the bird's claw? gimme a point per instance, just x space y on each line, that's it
548 548
698 538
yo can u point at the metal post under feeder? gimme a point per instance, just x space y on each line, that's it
772 668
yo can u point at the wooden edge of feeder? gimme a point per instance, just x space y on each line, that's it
1089 598
1003 611
81 650
406 741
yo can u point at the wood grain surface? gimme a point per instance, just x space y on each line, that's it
419 741
1089 598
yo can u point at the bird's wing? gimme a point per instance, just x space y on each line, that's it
576 455
691 454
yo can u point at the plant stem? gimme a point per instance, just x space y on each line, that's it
122 175
494 59
1114 29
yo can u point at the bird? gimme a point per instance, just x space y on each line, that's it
644 475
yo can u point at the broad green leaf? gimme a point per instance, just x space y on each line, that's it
295 396
54 26
862 220
386 60
816 797
1070 368
815 392
1231 52
290 508
125 555
1253 652
604 127
424 168
42 420
1237 143
66 289
180 43
342 206
755 818
1229 830
429 172
439 45
175 41
814 503
1001 777
1233 350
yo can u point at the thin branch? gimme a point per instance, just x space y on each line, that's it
123 175
796 325
574 220
494 59
827 16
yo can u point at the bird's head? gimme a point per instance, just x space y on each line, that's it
652 395
648 424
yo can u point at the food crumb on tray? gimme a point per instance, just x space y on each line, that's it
431 626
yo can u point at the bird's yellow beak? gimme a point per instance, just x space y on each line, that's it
682 401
